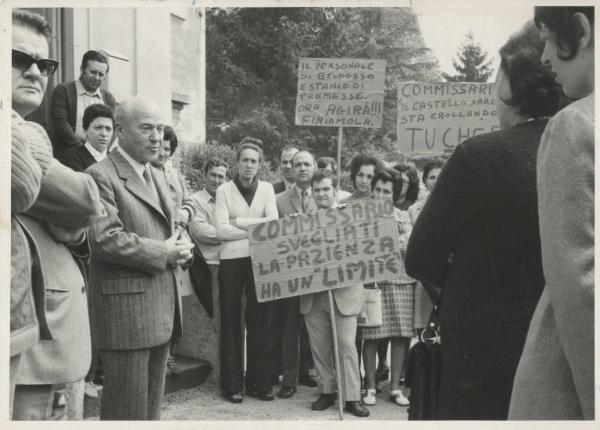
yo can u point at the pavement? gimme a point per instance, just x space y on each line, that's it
205 403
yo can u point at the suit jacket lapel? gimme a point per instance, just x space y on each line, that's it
311 206
295 200
164 192
133 182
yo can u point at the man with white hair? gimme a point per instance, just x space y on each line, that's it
135 307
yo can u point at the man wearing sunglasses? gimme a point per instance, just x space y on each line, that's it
50 207
69 101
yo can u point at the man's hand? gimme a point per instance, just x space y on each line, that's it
179 249
294 215
182 218
65 235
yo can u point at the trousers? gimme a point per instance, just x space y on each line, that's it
236 280
318 323
134 383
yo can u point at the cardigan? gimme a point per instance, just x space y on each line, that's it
231 206
555 378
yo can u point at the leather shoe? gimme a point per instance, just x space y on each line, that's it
308 381
323 402
235 397
261 395
286 392
357 409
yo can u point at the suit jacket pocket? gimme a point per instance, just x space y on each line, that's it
54 299
122 286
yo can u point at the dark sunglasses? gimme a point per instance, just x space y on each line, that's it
22 61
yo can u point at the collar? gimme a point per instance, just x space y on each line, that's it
95 153
287 184
82 91
244 190
16 116
298 191
206 196
137 166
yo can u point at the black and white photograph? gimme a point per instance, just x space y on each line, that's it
299 211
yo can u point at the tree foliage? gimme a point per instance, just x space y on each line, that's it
471 63
252 66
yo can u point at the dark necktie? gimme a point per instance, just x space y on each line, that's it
303 199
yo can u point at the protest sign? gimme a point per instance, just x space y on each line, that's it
330 249
340 92
437 116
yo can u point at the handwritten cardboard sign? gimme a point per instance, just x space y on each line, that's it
437 116
340 92
330 249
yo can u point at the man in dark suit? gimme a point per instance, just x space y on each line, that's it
98 126
70 99
287 171
286 333
135 307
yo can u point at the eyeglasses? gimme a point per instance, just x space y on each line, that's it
22 61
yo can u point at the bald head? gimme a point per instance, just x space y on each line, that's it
141 126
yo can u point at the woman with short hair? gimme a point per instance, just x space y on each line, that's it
477 239
555 378
396 302
241 203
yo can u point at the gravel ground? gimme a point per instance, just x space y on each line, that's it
205 403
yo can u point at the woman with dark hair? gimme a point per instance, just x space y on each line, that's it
240 203
362 170
431 171
396 302
425 295
555 377
410 186
477 239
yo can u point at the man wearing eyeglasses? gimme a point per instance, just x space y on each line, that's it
50 207
69 101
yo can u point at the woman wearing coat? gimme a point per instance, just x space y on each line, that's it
555 378
240 203
477 239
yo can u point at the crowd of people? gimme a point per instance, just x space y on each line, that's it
500 237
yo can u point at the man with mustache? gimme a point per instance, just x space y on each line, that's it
69 101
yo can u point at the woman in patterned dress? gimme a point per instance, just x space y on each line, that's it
396 302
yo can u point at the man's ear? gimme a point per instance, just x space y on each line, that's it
587 37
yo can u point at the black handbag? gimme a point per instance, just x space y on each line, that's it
423 370
201 278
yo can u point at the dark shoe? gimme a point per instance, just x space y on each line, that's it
286 392
323 402
261 395
235 397
357 409
308 381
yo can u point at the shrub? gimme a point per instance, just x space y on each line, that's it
194 158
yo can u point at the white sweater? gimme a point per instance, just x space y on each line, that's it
231 206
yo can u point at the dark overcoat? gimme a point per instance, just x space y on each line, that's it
478 239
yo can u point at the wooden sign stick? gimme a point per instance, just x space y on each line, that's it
336 355
339 158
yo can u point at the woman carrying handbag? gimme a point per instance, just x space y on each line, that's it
396 302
